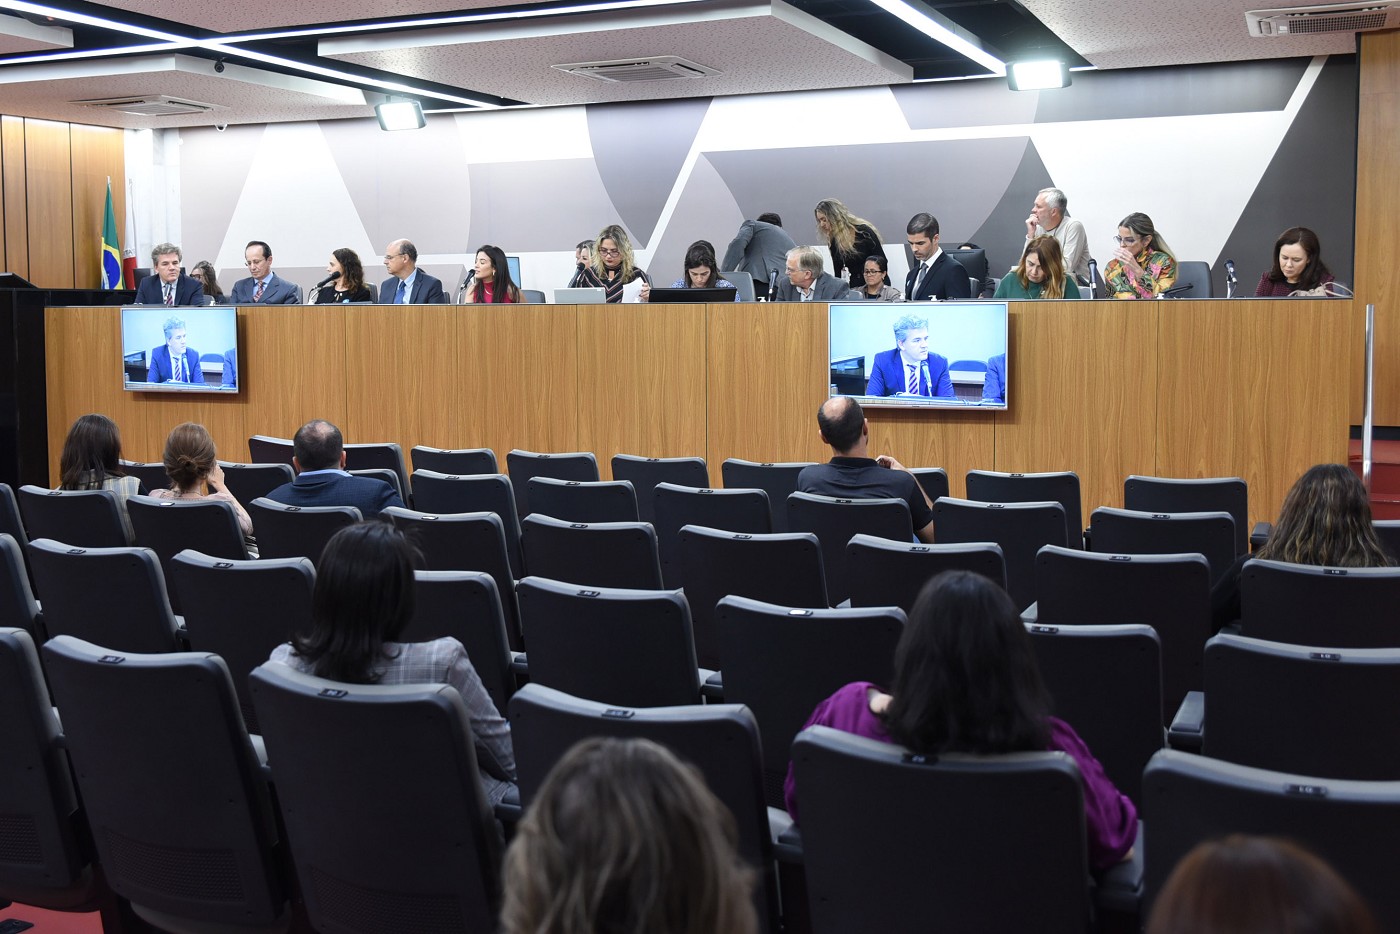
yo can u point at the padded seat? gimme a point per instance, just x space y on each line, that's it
116 595
777 480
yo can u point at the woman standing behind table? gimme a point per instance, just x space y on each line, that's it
491 279
191 462
613 266
851 238
1040 274
1142 265
349 285
876 270
1298 265
203 273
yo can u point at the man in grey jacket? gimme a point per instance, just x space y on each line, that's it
759 250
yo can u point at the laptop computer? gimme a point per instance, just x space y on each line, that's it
580 296
676 296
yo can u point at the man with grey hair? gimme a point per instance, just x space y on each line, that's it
807 280
167 284
174 361
909 369
407 284
1050 215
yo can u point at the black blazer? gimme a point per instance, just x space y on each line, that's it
853 263
946 278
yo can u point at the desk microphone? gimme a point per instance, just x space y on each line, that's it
773 286
1230 281
928 381
327 281
1093 279
1177 290
462 291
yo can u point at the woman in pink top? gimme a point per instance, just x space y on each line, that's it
192 463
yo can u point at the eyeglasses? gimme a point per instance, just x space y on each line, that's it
389 256
873 272
1124 241
609 252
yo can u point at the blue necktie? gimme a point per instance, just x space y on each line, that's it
399 299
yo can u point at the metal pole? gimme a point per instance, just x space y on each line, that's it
1370 389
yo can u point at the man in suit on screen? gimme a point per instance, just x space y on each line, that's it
318 454
167 285
937 274
910 369
807 280
174 361
407 284
263 286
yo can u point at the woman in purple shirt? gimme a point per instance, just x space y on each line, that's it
965 680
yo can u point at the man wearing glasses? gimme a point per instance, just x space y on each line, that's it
263 286
407 284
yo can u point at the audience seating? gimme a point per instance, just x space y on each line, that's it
646 472
1211 494
249 481
190 840
297 531
446 494
169 526
889 573
1127 532
1106 682
265 449
113 595
677 506
1021 529
387 476
1307 605
598 554
83 518
18 608
152 476
401 838
933 481
986 486
1387 530
777 480
466 606
629 648
781 662
522 465
581 501
783 568
10 523
836 520
887 836
382 455
462 461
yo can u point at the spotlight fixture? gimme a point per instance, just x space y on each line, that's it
1037 76
400 115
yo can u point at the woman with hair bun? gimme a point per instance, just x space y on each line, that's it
191 463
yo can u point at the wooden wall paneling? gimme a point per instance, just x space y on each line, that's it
956 441
403 378
1258 390
1377 203
294 368
1083 394
16 255
49 188
641 381
97 155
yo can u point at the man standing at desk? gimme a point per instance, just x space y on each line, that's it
167 285
909 369
173 361
263 287
407 284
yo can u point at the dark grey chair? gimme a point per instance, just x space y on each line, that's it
678 506
446 494
385 475
10 522
1307 605
249 481
169 526
835 521
986 486
1388 531
1210 494
113 595
889 573
522 465
466 606
645 473
1021 529
1126 532
297 531
777 480
933 481
18 608
380 455
152 475
265 449
580 501
84 518
598 554
1195 273
454 462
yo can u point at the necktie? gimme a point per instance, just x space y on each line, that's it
399 296
913 379
178 371
169 294
257 293
923 268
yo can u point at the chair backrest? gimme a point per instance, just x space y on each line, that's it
646 472
152 475
781 662
460 461
777 480
986 486
630 648
169 526
1021 529
677 506
453 493
782 567
385 475
533 296
113 595
18 608
376 855
582 501
522 465
249 481
385 455
591 554
85 518
1188 799
179 834
1387 530
1195 273
1106 682
862 796
265 449
1209 494
242 610
933 480
1170 593
467 541
466 606
889 573
836 520
1307 605
1127 532
721 740
297 531
10 522
743 282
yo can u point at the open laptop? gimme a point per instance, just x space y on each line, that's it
580 296
663 296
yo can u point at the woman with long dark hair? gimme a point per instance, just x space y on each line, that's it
349 285
91 460
491 279
1298 265
203 273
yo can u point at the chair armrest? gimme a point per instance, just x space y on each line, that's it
519 664
1260 535
1188 726
1031 614
508 809
712 685
1119 888
1088 539
787 845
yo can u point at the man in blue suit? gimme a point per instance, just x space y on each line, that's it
407 284
167 285
909 369
173 361
318 454
263 287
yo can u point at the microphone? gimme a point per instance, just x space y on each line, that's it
327 281
1177 290
773 286
1230 281
1093 277
466 283
928 381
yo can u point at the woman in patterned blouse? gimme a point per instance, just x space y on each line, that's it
613 266
1142 265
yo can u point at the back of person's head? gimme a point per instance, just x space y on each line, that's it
965 678
91 452
1257 885
1326 520
768 217
189 455
624 838
317 445
841 421
364 597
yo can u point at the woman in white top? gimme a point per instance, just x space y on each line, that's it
192 463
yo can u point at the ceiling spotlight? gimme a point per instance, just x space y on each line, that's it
1037 76
400 115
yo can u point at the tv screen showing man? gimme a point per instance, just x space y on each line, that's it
174 361
910 369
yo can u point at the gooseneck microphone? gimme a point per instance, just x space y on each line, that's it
773 286
466 283
928 380
1093 278
327 281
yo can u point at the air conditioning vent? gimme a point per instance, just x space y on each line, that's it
151 105
1326 18
657 68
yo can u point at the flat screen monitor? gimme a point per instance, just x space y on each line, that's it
182 349
921 356
678 296
974 261
513 264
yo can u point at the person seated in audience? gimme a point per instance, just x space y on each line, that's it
318 454
994 383
1325 521
203 273
91 460
910 368
192 463
349 284
1040 274
624 837
851 240
1050 217
852 473
807 280
1142 265
965 681
611 266
491 279
877 268
1298 267
1257 885
364 597
702 269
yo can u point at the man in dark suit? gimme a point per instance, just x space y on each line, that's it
759 249
407 284
318 454
263 287
807 280
938 275
173 361
167 285
909 369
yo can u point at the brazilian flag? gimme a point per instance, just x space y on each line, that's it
111 249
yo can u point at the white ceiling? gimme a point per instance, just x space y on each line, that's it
19 35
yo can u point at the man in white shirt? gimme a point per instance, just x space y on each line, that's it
808 281
1050 215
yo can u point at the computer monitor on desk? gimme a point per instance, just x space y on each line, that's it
680 296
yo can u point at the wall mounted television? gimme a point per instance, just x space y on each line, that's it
922 356
180 349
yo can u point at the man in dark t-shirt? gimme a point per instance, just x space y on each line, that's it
853 474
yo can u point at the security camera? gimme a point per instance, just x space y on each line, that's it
221 127
219 66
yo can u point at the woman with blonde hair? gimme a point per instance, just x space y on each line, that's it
613 266
1040 274
1143 265
192 463
851 238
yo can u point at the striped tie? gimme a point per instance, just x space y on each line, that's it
170 295
257 293
178 371
913 379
